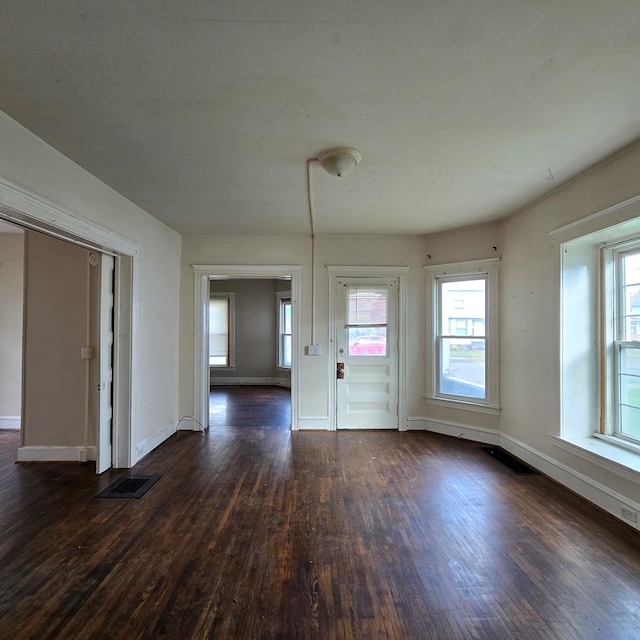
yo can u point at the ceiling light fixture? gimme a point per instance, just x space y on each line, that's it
339 161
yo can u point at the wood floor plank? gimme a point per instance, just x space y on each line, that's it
257 533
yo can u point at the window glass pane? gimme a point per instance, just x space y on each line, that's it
218 331
367 304
367 342
462 367
462 310
630 419
286 317
631 297
286 351
629 391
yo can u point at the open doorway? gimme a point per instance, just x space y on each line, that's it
33 214
237 365
56 338
250 351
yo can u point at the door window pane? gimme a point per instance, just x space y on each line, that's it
367 312
367 305
367 344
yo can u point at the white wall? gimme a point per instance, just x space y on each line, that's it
316 373
31 163
11 286
55 329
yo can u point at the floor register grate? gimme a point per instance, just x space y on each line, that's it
509 461
129 487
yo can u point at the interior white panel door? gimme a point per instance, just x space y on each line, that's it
367 353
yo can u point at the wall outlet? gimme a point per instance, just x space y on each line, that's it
629 514
313 350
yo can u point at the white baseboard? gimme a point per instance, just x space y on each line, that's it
596 493
56 454
256 381
313 423
149 444
455 429
10 422
604 497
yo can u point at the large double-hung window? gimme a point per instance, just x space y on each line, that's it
624 303
462 350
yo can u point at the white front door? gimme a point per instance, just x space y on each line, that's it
367 353
104 450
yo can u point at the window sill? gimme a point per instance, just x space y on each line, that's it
465 406
605 452
214 368
284 369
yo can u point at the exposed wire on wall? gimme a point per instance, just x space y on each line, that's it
310 162
337 162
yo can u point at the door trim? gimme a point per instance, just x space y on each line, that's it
401 273
33 211
202 274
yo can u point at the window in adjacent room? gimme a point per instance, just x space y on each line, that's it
221 330
284 330
463 346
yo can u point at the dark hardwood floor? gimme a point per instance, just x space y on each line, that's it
250 406
255 532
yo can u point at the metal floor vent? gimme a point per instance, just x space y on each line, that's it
509 461
129 487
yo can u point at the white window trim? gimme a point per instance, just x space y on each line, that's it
579 434
231 297
280 296
613 309
490 268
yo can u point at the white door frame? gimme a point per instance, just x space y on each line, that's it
401 273
104 439
32 211
202 274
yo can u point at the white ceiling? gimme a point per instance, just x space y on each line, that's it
204 113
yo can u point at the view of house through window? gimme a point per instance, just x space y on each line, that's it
461 339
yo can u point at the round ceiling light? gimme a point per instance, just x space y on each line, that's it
339 161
